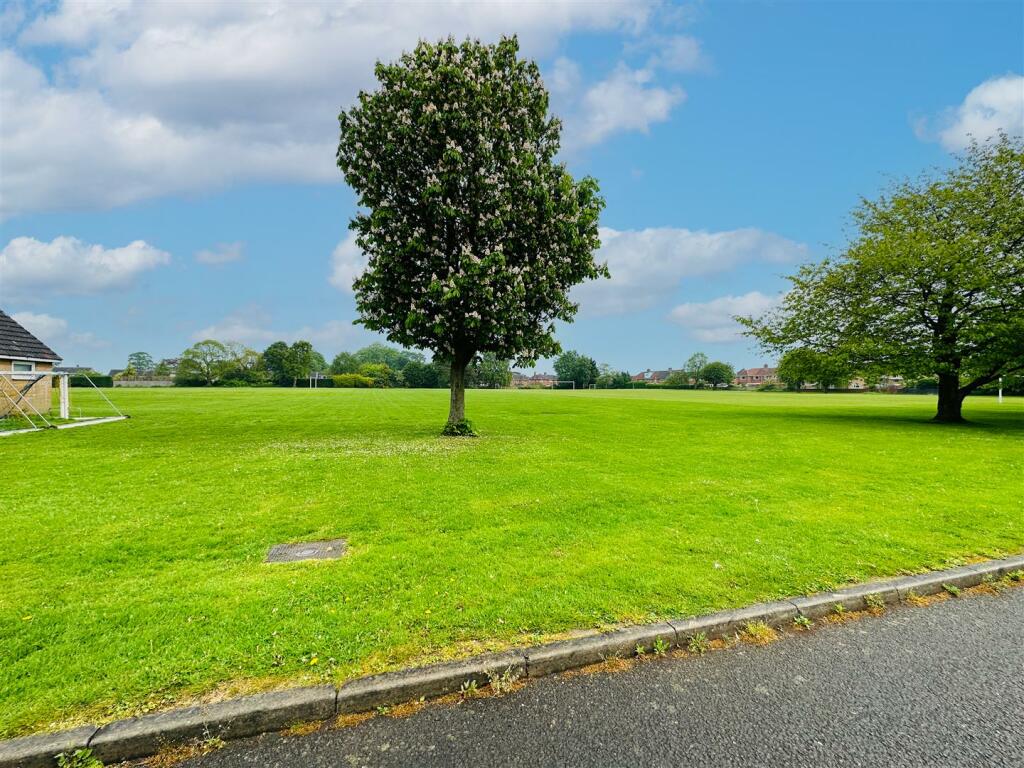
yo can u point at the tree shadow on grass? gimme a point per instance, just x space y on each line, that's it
1010 423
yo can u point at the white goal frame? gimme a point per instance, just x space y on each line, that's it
16 396
554 384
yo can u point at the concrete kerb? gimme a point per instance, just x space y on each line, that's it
368 693
233 719
40 751
579 652
251 715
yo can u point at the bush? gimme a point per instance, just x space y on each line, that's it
350 380
82 381
462 428
381 375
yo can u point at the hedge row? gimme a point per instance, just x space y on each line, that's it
83 381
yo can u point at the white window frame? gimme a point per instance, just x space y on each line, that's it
28 375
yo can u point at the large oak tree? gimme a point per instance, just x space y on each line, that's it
932 284
473 233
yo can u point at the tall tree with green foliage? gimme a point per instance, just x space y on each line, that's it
608 378
420 375
291 363
695 365
276 359
492 372
205 362
573 366
344 362
142 362
393 357
717 373
933 283
474 235
805 366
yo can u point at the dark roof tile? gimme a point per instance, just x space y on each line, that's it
16 342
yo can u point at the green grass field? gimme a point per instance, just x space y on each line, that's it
132 552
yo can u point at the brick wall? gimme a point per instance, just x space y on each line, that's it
40 395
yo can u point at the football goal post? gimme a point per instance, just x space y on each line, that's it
31 401
559 384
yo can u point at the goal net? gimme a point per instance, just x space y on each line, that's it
34 400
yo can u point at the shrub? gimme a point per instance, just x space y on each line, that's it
462 428
379 373
350 380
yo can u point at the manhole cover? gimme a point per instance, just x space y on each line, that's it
306 550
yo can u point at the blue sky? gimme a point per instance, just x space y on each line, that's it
167 169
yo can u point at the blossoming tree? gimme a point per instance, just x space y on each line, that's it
473 233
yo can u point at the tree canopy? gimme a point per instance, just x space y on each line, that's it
573 366
291 363
695 365
492 372
142 362
206 362
717 373
805 366
932 283
473 234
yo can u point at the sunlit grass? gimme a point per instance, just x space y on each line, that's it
132 555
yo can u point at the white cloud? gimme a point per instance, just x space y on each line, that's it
627 100
993 106
117 156
252 326
167 97
564 76
712 321
41 325
648 265
679 53
222 253
347 263
54 332
32 269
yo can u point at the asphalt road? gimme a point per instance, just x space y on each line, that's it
932 686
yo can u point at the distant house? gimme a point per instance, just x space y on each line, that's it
520 379
22 358
115 372
891 384
171 363
755 377
652 377
73 370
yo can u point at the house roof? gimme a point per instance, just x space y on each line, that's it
18 343
650 375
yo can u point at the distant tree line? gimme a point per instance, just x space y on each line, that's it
211 363
696 373
228 364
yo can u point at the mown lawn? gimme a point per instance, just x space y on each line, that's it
132 552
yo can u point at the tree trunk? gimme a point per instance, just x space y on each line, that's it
457 410
950 399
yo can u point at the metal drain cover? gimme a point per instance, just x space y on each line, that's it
307 550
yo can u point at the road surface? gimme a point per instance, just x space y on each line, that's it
933 686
